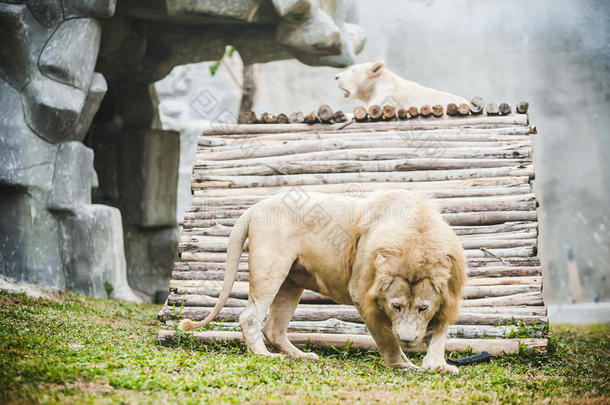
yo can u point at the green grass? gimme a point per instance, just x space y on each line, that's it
81 350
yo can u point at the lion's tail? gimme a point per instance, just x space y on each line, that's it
239 233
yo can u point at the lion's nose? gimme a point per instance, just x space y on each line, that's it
407 341
336 77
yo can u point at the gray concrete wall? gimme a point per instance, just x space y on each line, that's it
555 54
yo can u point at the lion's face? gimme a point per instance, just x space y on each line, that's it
359 80
410 307
409 294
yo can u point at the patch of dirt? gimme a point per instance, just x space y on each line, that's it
31 290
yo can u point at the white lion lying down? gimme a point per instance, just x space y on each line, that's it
391 255
374 84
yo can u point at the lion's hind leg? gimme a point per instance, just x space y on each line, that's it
265 282
281 312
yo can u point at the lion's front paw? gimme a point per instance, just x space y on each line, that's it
403 365
438 365
308 355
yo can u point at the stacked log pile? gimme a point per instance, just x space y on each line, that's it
478 169
375 112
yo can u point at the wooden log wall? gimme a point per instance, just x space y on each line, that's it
478 169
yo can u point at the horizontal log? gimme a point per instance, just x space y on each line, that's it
349 314
240 289
516 270
330 178
213 275
245 201
523 202
337 326
489 218
525 251
360 114
370 186
282 119
468 218
495 229
466 244
480 121
325 113
492 109
296 117
452 109
462 219
512 309
505 239
482 231
472 292
532 298
444 189
453 134
495 347
311 118
382 151
508 304
492 262
477 105
480 280
375 112
185 267
389 112
504 271
484 281
504 108
347 166
463 109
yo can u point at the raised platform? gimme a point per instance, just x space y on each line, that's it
477 168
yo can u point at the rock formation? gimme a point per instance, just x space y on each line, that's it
87 176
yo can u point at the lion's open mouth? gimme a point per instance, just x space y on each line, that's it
346 93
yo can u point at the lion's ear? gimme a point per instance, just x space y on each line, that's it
458 273
439 280
376 69
384 260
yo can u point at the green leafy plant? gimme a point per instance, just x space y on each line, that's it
216 65
109 289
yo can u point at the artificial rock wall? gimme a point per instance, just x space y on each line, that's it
50 232
88 178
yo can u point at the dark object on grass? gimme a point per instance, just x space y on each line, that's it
470 360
